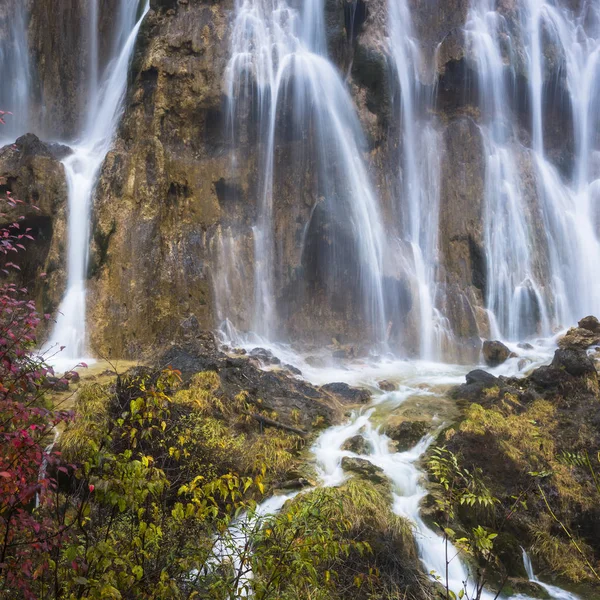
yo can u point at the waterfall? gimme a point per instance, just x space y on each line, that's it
554 591
15 70
541 244
418 195
82 168
514 294
279 67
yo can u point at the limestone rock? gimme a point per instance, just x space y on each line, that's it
159 196
387 386
590 323
580 337
495 353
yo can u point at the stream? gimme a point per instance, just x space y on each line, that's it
421 392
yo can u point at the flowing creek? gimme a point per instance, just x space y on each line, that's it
421 393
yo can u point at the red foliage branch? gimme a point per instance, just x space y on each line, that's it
29 527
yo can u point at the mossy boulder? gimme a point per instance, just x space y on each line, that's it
365 470
407 434
357 444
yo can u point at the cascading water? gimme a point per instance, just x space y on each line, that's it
279 66
82 167
514 280
555 592
15 68
420 179
539 278
405 477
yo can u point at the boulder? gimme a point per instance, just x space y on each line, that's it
264 356
476 381
346 394
574 361
387 386
590 323
357 444
495 353
365 469
407 434
525 346
482 377
579 337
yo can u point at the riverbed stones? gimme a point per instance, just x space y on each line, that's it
387 386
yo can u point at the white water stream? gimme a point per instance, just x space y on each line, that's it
82 168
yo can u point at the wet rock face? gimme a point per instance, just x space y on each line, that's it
461 230
59 41
31 172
